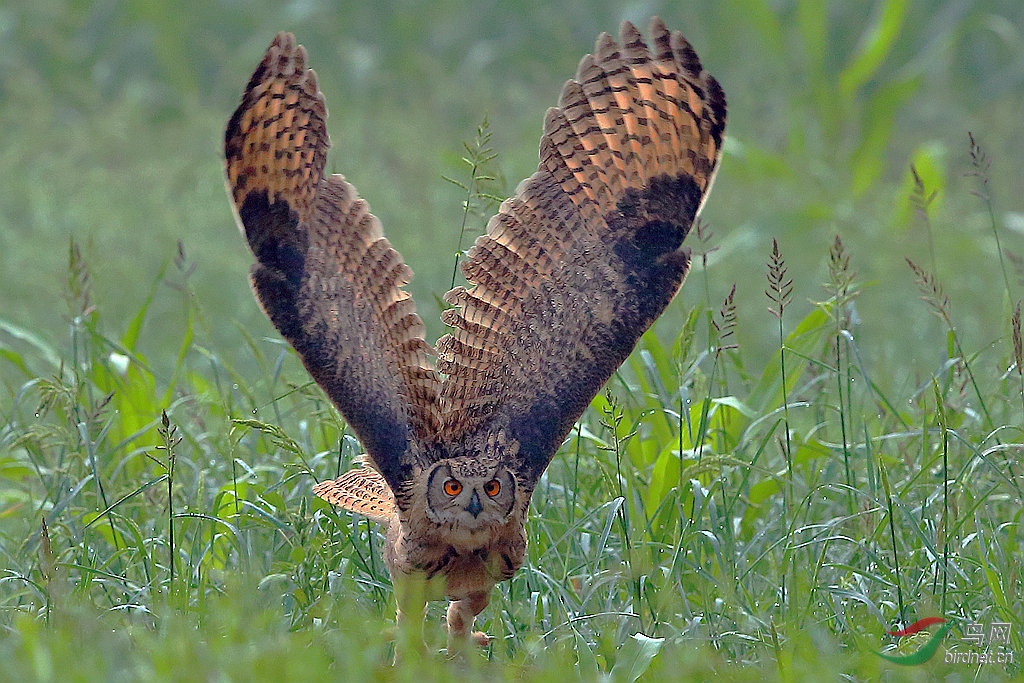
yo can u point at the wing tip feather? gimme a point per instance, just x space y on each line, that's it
667 115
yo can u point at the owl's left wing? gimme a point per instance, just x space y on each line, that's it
324 273
586 255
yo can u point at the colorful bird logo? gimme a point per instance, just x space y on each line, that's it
928 650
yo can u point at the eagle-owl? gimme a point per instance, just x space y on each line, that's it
570 273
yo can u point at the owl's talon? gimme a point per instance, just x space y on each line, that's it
460 645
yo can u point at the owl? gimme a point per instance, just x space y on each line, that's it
572 270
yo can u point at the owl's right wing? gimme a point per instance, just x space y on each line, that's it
587 254
360 490
324 273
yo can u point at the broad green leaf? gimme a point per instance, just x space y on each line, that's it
131 335
802 342
929 160
183 351
15 360
763 17
736 404
868 159
586 662
635 656
810 451
874 47
759 493
664 476
32 339
104 528
763 490
812 21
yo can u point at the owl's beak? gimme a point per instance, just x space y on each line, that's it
474 508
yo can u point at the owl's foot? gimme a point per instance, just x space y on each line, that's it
460 645
461 615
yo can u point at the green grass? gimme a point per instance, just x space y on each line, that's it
758 495
749 536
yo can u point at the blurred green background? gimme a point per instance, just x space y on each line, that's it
111 120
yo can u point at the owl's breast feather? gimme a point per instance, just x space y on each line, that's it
452 572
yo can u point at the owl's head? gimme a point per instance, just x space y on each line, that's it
465 496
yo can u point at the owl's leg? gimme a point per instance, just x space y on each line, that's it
461 615
410 594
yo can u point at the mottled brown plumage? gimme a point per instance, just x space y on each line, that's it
360 490
570 273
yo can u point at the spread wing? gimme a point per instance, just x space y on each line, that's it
360 490
586 255
324 273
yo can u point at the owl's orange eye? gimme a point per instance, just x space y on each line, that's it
453 487
492 488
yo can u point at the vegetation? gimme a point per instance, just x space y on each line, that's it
756 495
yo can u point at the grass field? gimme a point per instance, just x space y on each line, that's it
758 494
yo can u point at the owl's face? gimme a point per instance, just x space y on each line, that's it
471 498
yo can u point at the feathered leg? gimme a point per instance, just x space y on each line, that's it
461 615
410 594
